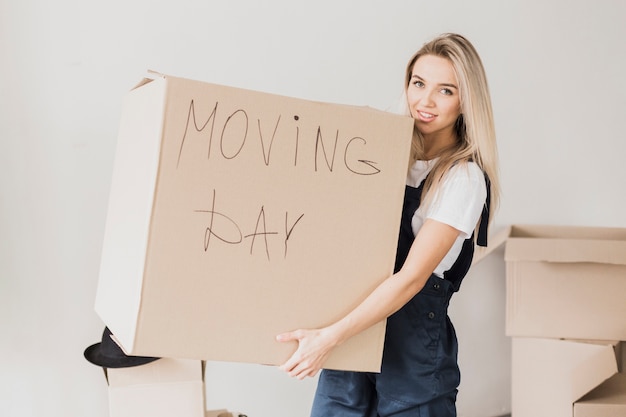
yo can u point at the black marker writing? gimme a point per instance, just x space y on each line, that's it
244 136
285 133
266 156
227 231
264 233
289 230
363 161
210 229
319 142
191 115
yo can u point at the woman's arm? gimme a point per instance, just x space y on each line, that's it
431 244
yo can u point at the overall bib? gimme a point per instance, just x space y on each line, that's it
419 375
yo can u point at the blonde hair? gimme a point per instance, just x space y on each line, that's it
475 131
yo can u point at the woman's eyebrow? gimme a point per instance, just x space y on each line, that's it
441 84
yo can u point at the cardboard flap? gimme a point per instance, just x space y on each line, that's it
130 205
568 232
610 392
550 375
566 244
150 76
566 250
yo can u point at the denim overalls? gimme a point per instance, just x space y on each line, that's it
419 375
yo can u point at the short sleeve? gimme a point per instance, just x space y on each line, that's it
460 199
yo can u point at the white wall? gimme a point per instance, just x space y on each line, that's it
556 69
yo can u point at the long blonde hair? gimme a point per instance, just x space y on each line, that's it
475 131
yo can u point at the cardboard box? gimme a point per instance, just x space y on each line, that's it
236 215
550 375
217 413
223 413
163 388
566 282
607 400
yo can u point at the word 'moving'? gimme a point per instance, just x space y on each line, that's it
233 136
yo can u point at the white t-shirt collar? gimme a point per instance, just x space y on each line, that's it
418 171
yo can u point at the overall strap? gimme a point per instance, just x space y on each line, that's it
459 269
484 217
412 199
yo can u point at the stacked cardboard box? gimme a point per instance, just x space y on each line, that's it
166 387
566 313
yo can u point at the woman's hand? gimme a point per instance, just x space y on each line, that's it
314 347
431 244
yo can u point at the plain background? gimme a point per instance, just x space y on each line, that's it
557 75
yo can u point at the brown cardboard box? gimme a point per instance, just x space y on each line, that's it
566 282
236 215
549 375
163 388
223 413
607 400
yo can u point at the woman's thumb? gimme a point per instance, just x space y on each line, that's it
287 337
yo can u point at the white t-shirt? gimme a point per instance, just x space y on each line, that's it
458 202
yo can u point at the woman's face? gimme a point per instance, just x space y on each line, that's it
433 97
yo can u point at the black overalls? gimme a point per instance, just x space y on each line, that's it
419 375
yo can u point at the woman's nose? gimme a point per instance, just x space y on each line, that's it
427 98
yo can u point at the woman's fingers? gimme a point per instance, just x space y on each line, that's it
302 370
292 362
296 366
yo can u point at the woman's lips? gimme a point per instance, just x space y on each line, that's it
425 116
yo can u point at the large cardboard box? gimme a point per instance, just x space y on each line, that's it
236 215
163 388
607 400
550 375
566 282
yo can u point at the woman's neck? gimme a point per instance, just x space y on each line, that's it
435 144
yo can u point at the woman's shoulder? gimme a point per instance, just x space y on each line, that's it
468 170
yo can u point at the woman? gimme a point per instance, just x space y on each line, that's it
452 185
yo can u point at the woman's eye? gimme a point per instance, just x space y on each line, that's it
446 91
418 84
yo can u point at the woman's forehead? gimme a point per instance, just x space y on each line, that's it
435 69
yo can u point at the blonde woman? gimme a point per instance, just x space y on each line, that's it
452 186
